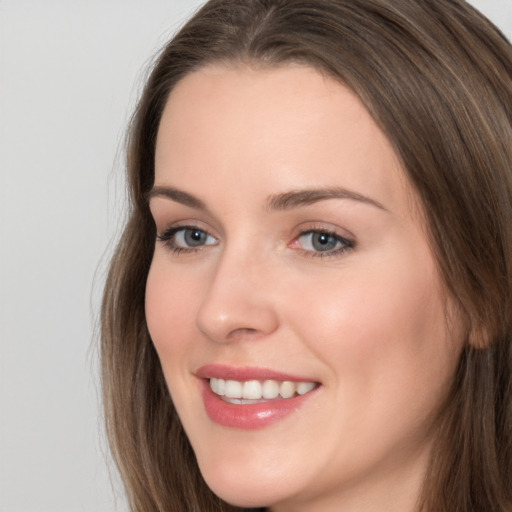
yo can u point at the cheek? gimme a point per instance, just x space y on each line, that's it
171 304
389 360
170 307
381 332
363 312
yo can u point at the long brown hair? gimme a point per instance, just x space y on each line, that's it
437 78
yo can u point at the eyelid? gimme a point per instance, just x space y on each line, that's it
165 225
324 227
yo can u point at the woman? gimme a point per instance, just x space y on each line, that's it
310 306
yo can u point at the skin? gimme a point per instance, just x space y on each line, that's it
368 323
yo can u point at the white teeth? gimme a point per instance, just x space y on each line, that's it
305 387
287 389
233 389
270 389
221 387
256 390
251 390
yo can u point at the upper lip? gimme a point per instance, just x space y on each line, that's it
227 372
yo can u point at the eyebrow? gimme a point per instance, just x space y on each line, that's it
298 198
284 201
179 196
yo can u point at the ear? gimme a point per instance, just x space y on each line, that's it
479 336
469 328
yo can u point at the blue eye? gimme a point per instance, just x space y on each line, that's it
186 238
323 242
192 237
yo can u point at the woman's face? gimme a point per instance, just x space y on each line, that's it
292 260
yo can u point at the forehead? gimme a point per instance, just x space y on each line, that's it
275 127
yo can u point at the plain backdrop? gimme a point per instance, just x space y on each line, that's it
70 74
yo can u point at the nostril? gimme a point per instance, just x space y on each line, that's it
243 333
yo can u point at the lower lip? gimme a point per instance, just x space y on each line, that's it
249 416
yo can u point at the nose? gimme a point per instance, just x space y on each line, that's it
238 301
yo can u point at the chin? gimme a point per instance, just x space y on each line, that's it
247 487
248 492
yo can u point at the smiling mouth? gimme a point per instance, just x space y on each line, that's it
252 397
257 391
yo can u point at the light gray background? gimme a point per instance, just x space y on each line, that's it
70 73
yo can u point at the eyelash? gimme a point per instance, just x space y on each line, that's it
168 238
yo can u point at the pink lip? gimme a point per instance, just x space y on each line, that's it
248 416
220 371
